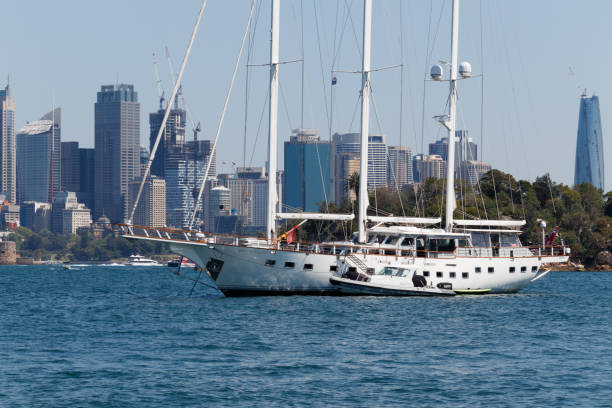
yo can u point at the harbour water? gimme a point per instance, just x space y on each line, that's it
132 336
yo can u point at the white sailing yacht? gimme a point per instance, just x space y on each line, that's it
467 256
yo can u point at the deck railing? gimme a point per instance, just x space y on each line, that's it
173 234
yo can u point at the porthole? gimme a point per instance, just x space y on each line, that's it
270 262
465 275
333 268
289 264
425 273
491 269
308 267
523 269
477 269
439 275
451 275
534 269
512 269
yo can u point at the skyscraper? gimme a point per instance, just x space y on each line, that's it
173 138
70 167
400 167
307 170
589 167
38 159
117 149
377 155
465 148
8 150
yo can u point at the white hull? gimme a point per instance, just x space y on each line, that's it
244 270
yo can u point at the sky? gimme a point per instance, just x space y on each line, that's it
531 61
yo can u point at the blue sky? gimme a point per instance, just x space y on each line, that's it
64 50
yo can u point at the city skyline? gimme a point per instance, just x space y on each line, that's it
515 134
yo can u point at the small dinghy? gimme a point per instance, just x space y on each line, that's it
394 284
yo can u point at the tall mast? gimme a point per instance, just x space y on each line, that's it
450 161
273 122
365 119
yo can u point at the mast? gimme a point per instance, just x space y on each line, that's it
365 120
273 122
450 160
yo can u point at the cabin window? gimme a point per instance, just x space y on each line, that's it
491 269
523 269
481 239
425 273
510 240
308 267
465 275
512 269
333 268
270 262
477 269
463 243
391 240
534 269
370 271
439 275
451 274
352 269
289 264
407 241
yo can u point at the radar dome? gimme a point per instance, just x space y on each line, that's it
436 72
465 69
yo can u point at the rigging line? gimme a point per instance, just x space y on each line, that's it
250 48
551 193
511 195
167 113
227 98
353 28
327 113
481 86
282 94
338 45
300 37
261 117
401 92
427 61
354 114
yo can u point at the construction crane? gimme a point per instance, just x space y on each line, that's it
196 128
160 91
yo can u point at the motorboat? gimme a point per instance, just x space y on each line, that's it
183 262
139 260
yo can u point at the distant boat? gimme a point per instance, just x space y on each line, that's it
186 263
139 260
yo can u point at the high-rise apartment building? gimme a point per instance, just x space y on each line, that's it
400 167
589 167
432 166
38 159
117 149
345 165
472 170
151 209
377 155
8 148
307 170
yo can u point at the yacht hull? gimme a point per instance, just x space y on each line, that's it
248 271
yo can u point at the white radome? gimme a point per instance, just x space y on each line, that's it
465 69
436 72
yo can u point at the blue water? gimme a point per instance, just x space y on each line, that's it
121 337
